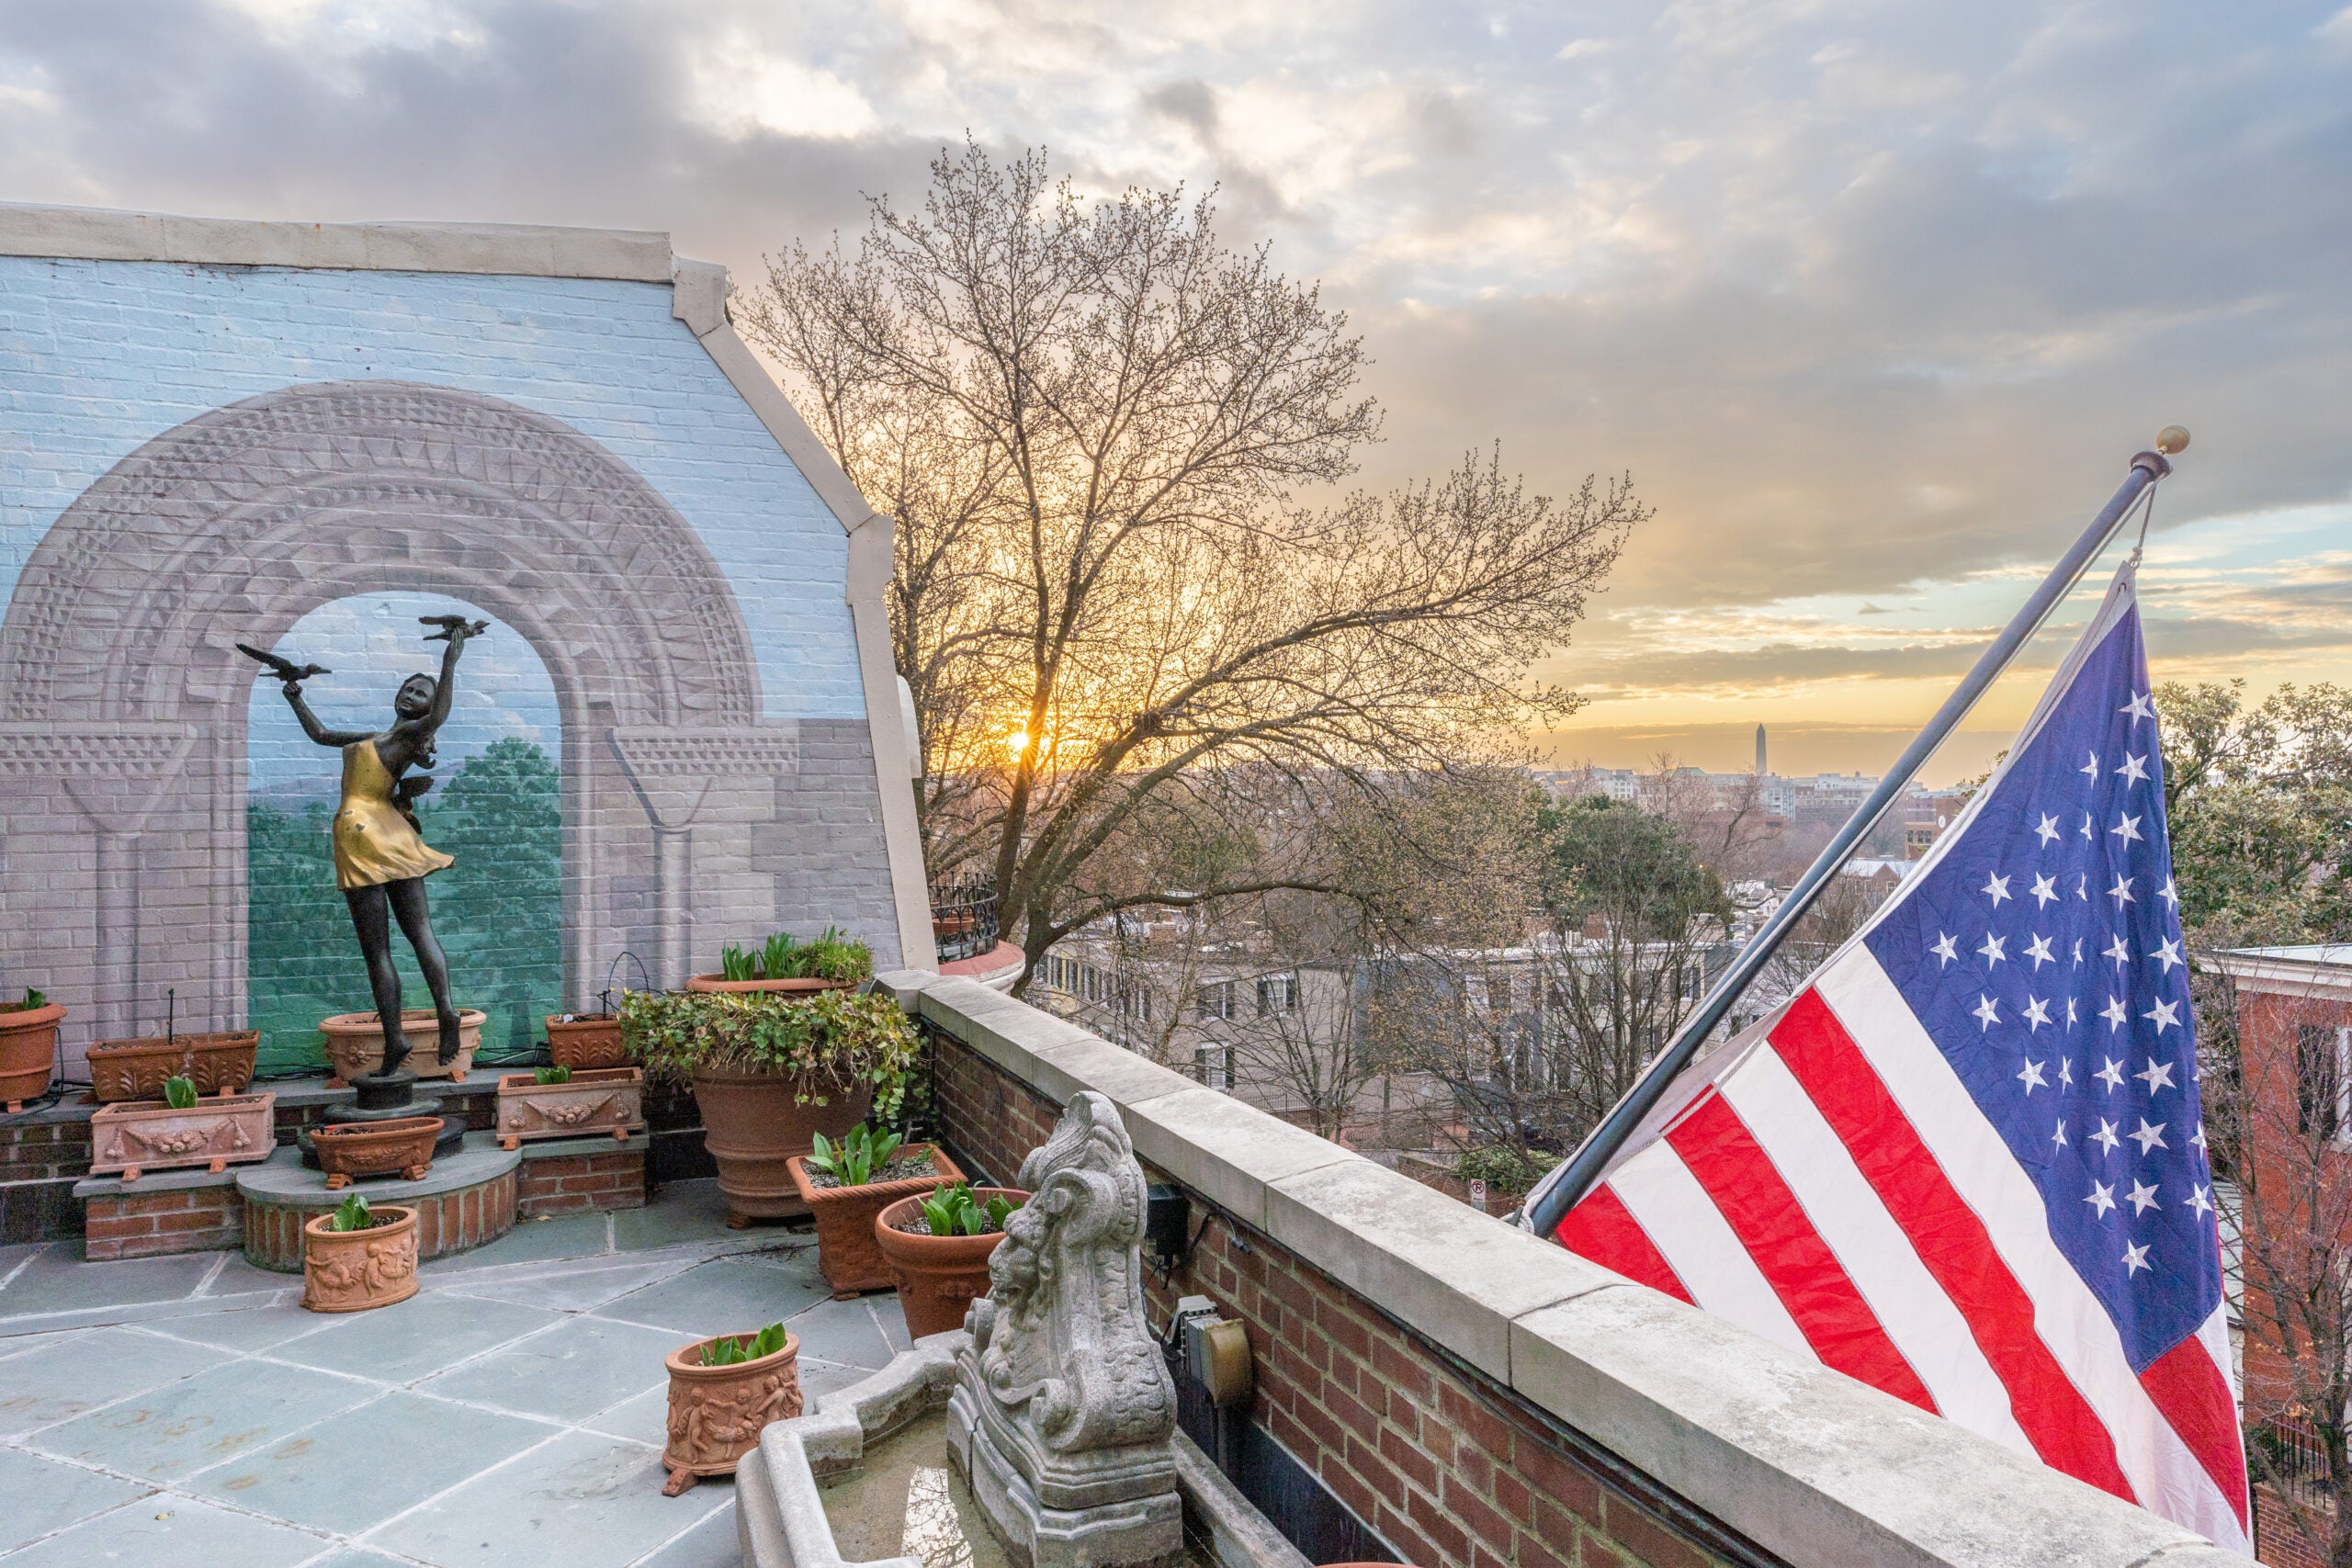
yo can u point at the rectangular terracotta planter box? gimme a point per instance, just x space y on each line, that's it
578 1040
133 1139
847 1254
135 1069
601 1100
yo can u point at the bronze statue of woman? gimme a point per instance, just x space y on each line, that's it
380 858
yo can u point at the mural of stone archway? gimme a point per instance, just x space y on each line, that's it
123 700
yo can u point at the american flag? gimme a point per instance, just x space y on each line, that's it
1965 1163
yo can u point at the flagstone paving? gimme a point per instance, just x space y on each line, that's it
187 1410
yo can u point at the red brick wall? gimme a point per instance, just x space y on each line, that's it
1453 1470
39 1162
144 1224
450 1222
567 1184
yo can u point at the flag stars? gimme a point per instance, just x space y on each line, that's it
2168 952
2157 1076
2122 892
2078 953
2164 1015
2065 1073
2119 950
2115 1013
2134 1258
2039 951
2197 1142
2110 1075
2031 1075
2148 1137
2139 708
1995 950
2058 1138
2086 829
2071 1018
2082 885
2199 1203
2135 770
2090 770
2127 828
2104 1137
1944 948
1995 887
2048 831
2102 1199
2045 892
2037 1011
2142 1198
2167 895
1987 1009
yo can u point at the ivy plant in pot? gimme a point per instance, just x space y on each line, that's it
828 963
937 1250
354 1257
28 1047
770 1073
846 1184
722 1391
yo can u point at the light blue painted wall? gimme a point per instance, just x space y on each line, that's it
98 358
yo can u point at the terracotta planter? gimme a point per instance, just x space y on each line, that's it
353 1270
752 1128
937 1276
602 1100
27 1051
578 1040
143 1135
793 987
716 1412
845 1250
135 1069
402 1146
356 1044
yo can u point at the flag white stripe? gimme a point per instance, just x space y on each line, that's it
1848 1215
1698 1245
1976 1161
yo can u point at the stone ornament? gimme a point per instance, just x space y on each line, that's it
595 1101
1063 1413
132 1139
717 1413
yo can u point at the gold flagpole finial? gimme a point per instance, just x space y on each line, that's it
2171 440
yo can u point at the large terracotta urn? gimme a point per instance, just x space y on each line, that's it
27 1051
753 1127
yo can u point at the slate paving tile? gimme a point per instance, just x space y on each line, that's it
713 1543
645 1416
43 1495
683 1211
584 1501
58 1280
726 1296
17 1343
355 1471
188 1535
245 1328
567 1372
61 1380
823 1377
843 1332
417 1337
173 1431
569 1289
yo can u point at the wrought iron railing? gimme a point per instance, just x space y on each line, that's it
963 917
2289 1455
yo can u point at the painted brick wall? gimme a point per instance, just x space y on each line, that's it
1452 1469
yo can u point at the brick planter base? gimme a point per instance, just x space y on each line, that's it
463 1202
577 1176
147 1220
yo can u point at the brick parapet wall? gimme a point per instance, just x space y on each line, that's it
450 1222
575 1183
1450 1470
150 1224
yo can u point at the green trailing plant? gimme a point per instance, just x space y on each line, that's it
856 1160
545 1075
952 1211
351 1215
179 1093
734 1349
830 1043
734 964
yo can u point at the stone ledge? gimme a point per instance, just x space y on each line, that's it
88 233
1805 1461
102 1187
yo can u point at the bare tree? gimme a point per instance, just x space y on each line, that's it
1091 420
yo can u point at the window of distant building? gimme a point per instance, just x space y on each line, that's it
1276 993
1214 1065
2323 1081
1215 1000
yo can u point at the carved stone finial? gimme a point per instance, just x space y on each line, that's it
1063 1410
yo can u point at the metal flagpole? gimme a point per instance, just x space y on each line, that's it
1552 1198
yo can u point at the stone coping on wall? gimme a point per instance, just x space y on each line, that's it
1805 1461
85 233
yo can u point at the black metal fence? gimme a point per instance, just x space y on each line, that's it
963 917
2289 1456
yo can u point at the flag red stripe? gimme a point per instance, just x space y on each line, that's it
1602 1229
1950 1239
2194 1395
1771 1224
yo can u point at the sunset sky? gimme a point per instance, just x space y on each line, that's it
1873 301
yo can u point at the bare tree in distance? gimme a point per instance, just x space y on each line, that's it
1090 420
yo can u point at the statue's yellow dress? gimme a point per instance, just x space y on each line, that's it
373 842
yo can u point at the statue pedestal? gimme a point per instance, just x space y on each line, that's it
1136 1520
